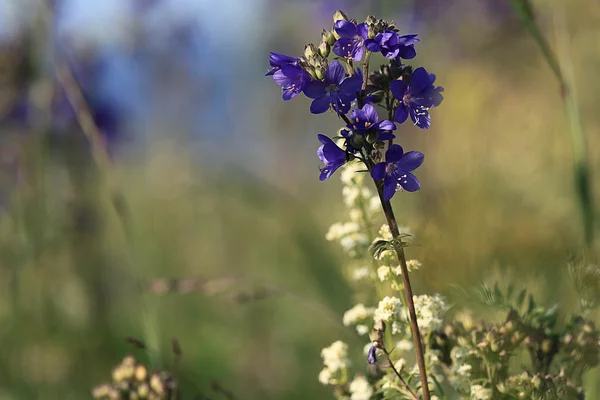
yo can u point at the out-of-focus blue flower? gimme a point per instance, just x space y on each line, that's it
366 121
292 79
352 39
416 98
335 92
391 45
372 354
276 60
331 155
396 171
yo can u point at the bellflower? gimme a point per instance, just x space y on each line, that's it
416 98
292 79
366 121
352 39
335 92
391 45
396 171
331 155
276 60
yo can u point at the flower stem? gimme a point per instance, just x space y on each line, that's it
391 220
408 388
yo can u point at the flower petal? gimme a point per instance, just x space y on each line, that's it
385 136
370 113
315 89
320 104
363 30
289 94
398 89
410 161
394 153
378 171
345 29
401 113
329 170
389 187
335 73
372 46
358 53
409 182
351 85
407 52
420 116
420 80
386 125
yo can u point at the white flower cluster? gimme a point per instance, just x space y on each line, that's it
388 309
362 273
430 311
350 236
387 273
360 389
358 315
478 392
335 359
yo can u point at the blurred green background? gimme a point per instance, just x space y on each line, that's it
217 189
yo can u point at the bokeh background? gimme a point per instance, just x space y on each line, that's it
207 224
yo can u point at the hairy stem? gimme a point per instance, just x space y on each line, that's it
391 220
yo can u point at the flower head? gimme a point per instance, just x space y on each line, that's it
331 155
292 79
416 98
366 121
335 92
388 309
335 357
352 39
396 171
391 45
276 60
360 389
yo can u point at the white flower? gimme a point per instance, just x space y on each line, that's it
400 364
360 389
385 232
404 345
325 376
362 329
335 357
388 309
383 273
413 265
374 204
335 231
478 392
361 273
356 215
350 195
357 314
430 311
386 255
350 175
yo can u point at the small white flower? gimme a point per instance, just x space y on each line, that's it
361 273
404 345
362 329
335 357
374 204
325 376
350 175
400 364
360 389
430 311
357 314
478 392
385 232
388 309
413 265
383 273
356 215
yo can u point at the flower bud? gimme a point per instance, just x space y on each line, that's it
324 49
328 37
372 32
371 20
310 50
311 71
156 384
546 345
339 15
140 372
143 390
372 137
319 72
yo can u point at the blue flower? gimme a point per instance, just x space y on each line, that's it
372 354
352 39
366 121
335 92
331 155
292 79
416 98
391 45
396 171
276 60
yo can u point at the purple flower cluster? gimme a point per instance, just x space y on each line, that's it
337 86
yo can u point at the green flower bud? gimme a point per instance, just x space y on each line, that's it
324 49
546 345
311 70
372 32
328 37
310 50
372 137
320 72
371 20
338 15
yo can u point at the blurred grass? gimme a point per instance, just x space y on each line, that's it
497 204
